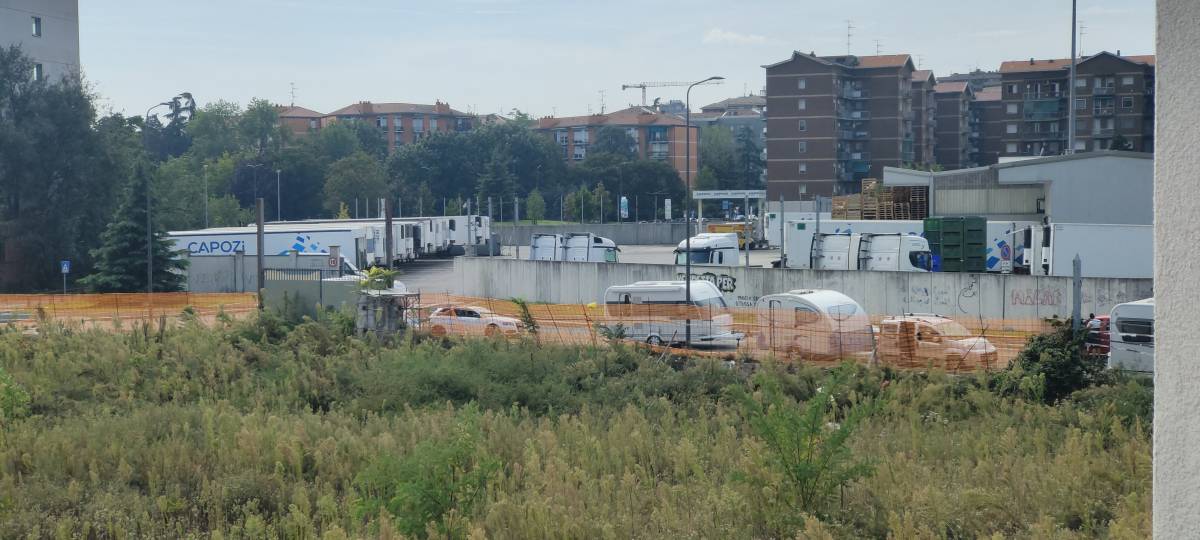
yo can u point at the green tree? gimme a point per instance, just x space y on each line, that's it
601 203
496 181
121 257
750 162
535 207
1119 142
356 177
371 139
215 130
615 141
336 141
259 126
718 154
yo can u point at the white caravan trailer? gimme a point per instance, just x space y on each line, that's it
1131 341
656 312
814 324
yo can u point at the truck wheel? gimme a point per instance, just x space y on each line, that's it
491 330
654 341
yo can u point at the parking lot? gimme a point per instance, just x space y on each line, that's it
661 254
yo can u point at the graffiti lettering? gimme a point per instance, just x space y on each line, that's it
724 282
1036 297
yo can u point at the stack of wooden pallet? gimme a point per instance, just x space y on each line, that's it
879 202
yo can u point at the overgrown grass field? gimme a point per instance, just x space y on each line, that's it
262 429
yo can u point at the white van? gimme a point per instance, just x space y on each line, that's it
656 312
1131 341
814 324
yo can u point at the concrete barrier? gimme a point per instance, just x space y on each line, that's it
624 234
991 296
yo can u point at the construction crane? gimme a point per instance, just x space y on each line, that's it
645 85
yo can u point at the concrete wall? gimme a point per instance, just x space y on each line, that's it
1176 401
58 47
239 273
991 296
624 234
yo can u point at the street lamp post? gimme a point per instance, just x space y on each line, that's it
278 205
182 109
205 195
687 216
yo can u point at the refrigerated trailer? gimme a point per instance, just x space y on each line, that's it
362 245
888 252
1105 250
577 247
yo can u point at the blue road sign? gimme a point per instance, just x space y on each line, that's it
66 266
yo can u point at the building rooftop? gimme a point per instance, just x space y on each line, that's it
950 87
922 75
368 108
852 61
1025 66
990 93
299 112
633 116
741 102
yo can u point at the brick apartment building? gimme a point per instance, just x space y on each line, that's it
991 115
656 135
924 107
401 123
833 120
957 125
1114 96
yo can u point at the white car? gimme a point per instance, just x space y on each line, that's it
472 321
925 337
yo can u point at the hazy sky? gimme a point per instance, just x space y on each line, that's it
547 56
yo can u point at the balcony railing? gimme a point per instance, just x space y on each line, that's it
1102 133
1104 90
854 135
853 114
1043 115
853 156
1043 135
1104 111
856 93
1041 96
907 114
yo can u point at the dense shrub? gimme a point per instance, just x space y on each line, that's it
269 428
1052 366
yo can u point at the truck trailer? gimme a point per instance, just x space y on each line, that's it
360 245
577 247
889 252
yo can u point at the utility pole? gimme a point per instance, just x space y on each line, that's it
260 250
687 206
849 33
388 235
1071 89
205 195
278 200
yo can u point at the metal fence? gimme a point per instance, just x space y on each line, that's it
113 309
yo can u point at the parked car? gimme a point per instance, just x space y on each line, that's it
472 321
923 336
1098 338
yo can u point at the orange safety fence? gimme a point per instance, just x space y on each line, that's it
956 344
112 309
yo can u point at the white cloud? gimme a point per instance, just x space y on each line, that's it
717 35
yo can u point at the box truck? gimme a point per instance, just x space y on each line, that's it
1105 250
577 247
894 252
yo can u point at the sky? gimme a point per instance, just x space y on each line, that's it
548 57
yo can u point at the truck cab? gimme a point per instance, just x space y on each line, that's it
709 249
577 247
890 252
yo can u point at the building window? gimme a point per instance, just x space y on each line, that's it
802 147
1010 128
560 136
803 168
37 27
418 125
1081 145
397 124
802 104
803 125
38 72
312 124
1010 148
1014 89
1012 108
1080 104
1127 81
580 135
1054 127
381 122
1127 123
802 84
1081 124
580 153
1081 82
433 124
1127 102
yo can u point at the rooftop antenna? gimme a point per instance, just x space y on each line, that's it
849 28
878 47
601 101
293 92
920 58
1082 32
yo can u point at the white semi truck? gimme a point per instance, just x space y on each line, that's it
360 245
894 252
434 236
577 247
709 249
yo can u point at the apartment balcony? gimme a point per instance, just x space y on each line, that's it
856 93
974 135
1044 96
907 115
1102 133
853 135
1104 111
849 114
1041 116
858 166
1043 136
1104 91
658 150
906 93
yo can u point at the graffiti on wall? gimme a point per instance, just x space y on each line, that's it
1036 297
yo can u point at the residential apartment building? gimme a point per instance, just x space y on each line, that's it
736 114
924 107
1114 101
991 115
958 128
655 136
978 79
404 123
834 120
299 120
47 31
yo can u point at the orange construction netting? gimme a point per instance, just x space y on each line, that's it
114 309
